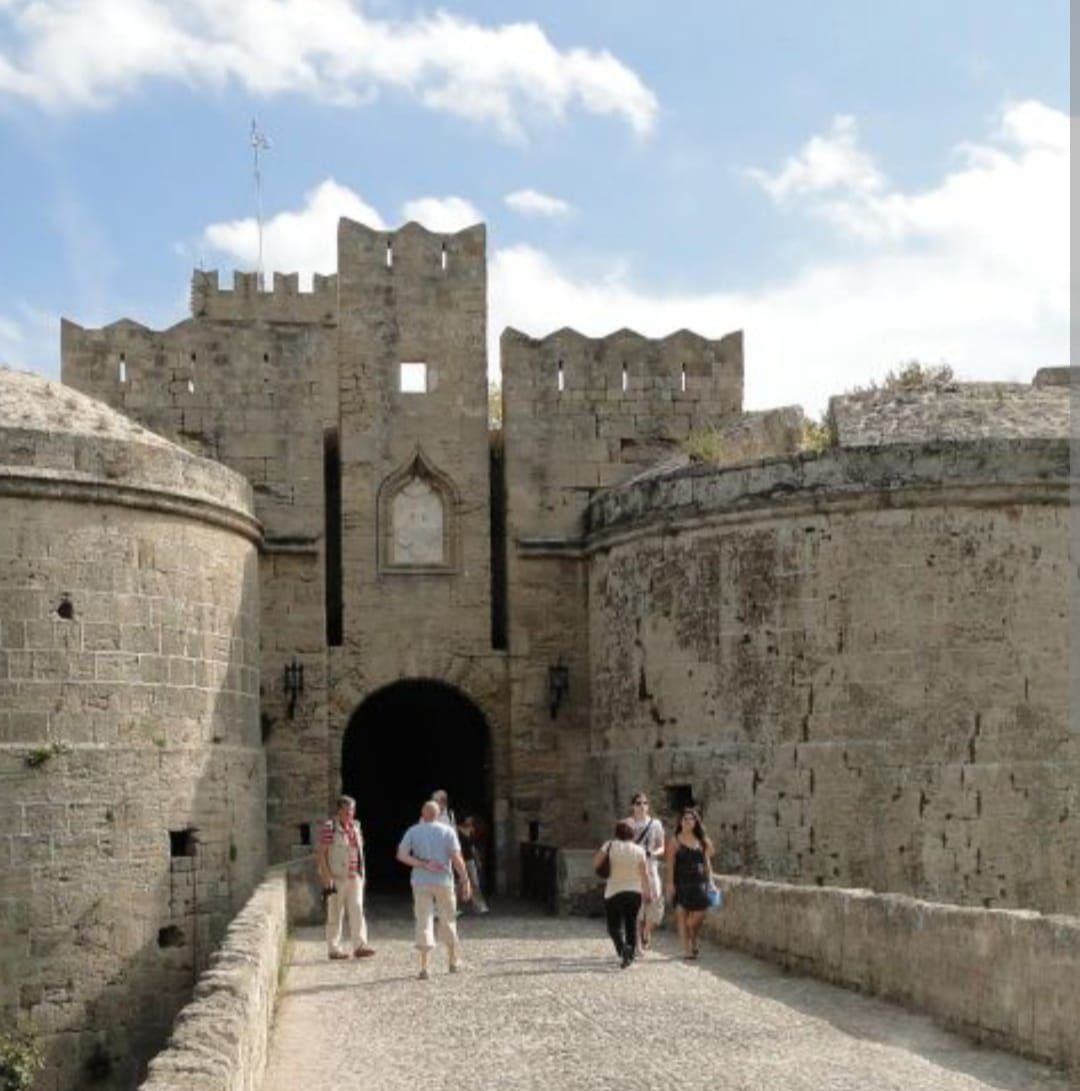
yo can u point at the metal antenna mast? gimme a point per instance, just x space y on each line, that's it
259 144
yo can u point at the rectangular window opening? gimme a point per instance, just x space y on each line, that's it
334 599
389 254
678 797
182 842
624 376
562 377
305 833
444 258
123 368
682 379
413 378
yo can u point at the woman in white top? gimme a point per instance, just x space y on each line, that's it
627 886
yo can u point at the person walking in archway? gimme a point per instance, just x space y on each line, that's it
432 849
689 877
649 834
446 816
471 848
340 862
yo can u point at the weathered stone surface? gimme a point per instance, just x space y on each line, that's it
1008 978
128 709
856 663
221 1039
952 411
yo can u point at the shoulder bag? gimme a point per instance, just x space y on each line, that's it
603 869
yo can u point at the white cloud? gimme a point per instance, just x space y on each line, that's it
79 54
442 213
973 271
830 162
530 202
304 241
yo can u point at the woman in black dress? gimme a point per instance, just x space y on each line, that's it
689 877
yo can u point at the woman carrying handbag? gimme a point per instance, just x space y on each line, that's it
690 878
623 865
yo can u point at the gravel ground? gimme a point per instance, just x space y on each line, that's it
542 1003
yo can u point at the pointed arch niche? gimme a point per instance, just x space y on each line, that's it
417 519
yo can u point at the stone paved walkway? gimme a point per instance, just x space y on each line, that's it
543 1004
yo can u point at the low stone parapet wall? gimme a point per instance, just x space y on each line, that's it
220 1039
1010 978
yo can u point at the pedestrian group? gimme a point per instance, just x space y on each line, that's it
437 849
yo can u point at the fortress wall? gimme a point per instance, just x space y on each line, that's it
251 381
858 664
562 445
247 394
128 713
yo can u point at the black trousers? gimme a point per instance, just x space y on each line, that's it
622 913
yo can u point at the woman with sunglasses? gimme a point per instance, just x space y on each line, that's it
649 834
689 877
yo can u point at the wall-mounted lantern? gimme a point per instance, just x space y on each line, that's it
558 686
293 684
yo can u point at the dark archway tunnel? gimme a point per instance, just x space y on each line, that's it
402 743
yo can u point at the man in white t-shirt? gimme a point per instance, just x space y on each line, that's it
649 834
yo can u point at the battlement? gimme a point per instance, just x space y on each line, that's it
624 365
285 302
412 248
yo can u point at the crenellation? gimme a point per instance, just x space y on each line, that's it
285 302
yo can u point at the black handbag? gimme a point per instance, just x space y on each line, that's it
603 869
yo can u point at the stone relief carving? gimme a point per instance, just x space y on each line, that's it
417 506
417 516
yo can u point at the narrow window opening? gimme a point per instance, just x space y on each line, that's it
335 607
170 936
562 377
66 609
182 842
193 358
678 797
624 376
534 829
413 378
191 386
266 357
682 379
444 259
497 537
123 368
389 254
305 833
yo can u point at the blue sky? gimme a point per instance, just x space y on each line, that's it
851 184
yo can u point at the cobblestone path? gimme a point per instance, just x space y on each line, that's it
542 1003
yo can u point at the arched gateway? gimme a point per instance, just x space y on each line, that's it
403 742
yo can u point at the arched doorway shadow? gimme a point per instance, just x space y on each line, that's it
402 743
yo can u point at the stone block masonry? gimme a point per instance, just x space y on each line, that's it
221 1038
134 779
857 664
1008 978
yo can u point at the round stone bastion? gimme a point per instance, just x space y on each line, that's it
133 777
856 662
